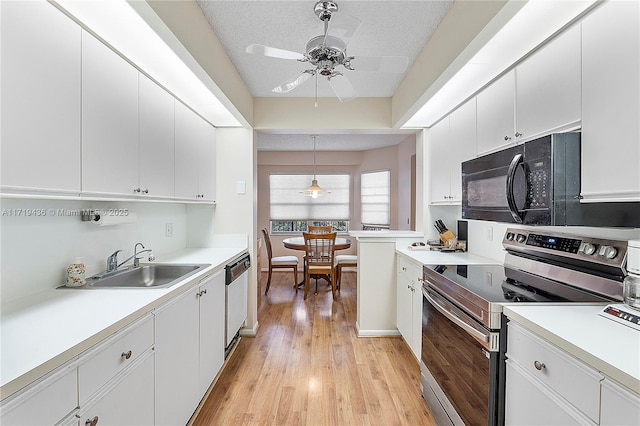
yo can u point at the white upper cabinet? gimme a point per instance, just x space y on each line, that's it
195 156
610 102
452 141
156 144
109 121
207 165
439 153
548 85
496 114
40 99
462 138
187 159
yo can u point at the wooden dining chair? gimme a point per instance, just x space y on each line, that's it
279 262
316 229
320 255
344 261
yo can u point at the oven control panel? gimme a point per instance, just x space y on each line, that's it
595 250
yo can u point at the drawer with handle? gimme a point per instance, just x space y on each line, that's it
106 359
576 382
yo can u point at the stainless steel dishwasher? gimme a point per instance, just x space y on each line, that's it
237 283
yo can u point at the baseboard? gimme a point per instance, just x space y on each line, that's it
376 333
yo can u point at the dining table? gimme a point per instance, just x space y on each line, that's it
297 243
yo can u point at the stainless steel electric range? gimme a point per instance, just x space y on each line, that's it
464 331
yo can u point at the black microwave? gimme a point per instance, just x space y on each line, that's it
537 183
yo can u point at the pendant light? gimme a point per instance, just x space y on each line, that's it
314 190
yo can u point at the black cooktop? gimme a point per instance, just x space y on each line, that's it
490 283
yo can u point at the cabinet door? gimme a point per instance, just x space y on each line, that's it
130 402
548 86
176 370
109 120
156 144
610 102
439 160
416 312
43 403
211 329
496 114
529 402
40 98
462 145
207 163
618 406
187 152
403 304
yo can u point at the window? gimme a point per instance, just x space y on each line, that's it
292 211
374 196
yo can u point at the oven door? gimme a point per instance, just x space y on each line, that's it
460 364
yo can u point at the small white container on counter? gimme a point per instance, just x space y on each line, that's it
76 274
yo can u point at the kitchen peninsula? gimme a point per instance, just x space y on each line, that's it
377 267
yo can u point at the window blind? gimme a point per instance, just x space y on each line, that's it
289 203
374 193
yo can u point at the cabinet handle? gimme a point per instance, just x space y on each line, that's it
539 365
202 292
146 191
137 190
92 422
507 138
518 134
126 355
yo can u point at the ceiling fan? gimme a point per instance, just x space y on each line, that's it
328 51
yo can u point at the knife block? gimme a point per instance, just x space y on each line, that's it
448 239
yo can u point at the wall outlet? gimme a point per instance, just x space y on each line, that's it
489 233
168 230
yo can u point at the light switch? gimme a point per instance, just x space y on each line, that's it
241 187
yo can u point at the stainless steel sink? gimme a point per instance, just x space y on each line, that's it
148 275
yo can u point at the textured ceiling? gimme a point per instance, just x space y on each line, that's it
389 28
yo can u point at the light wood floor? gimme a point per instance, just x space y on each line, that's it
306 366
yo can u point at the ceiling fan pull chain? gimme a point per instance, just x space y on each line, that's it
316 103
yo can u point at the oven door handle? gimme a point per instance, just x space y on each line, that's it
483 337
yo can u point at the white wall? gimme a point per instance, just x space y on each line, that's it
235 213
36 250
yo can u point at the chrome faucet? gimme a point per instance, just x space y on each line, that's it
112 261
136 259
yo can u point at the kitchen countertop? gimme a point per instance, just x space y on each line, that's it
427 257
46 330
609 347
386 233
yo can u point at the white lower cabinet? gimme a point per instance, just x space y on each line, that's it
409 303
186 332
212 344
530 402
127 400
547 386
45 402
619 406
556 375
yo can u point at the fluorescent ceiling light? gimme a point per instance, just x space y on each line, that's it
120 25
536 22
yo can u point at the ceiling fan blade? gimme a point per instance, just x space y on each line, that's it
293 82
342 26
273 52
395 64
342 87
